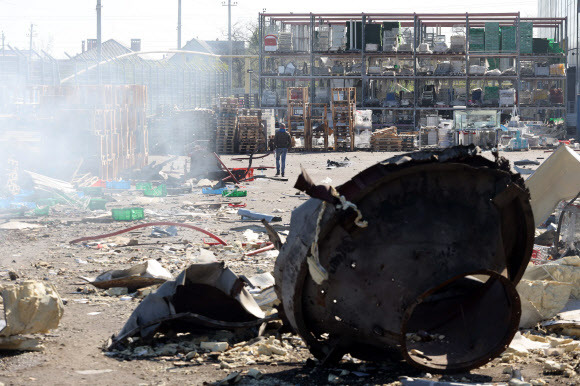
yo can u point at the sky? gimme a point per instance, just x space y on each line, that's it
61 25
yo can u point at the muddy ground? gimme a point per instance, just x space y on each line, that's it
91 317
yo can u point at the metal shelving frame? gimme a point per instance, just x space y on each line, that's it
419 23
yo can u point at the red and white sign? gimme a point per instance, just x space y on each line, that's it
270 43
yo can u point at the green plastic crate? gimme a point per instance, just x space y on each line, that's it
490 93
128 214
160 191
508 39
92 191
46 202
143 186
374 34
45 211
492 37
234 193
97 204
476 39
526 38
540 46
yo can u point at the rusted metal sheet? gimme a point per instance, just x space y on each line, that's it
431 278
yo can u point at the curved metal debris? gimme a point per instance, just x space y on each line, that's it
206 294
432 278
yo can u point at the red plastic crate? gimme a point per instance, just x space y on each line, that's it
100 184
249 175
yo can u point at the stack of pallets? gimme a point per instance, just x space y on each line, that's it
407 142
12 177
386 140
226 125
250 135
343 108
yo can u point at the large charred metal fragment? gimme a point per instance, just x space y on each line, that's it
431 277
205 295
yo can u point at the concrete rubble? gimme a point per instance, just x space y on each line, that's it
29 308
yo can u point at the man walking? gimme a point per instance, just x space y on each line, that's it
282 142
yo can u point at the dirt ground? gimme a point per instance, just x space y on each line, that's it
91 317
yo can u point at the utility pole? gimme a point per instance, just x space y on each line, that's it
230 49
178 24
99 41
3 49
31 34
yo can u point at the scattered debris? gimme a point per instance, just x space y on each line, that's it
206 294
29 308
139 276
248 214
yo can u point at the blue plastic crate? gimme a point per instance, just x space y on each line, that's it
119 185
212 191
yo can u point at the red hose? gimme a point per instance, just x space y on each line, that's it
150 224
271 246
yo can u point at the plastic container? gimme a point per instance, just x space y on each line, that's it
143 186
45 211
119 185
234 193
128 214
93 191
100 184
212 191
160 191
97 204
249 175
46 202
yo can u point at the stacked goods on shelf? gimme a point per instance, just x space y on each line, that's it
457 43
391 36
540 96
557 69
337 37
386 140
476 39
507 97
555 48
353 35
318 126
251 137
343 108
226 125
297 98
285 42
556 96
269 98
525 97
300 38
540 46
508 39
526 37
491 95
373 37
322 38
492 37
541 69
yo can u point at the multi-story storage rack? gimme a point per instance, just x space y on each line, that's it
405 86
